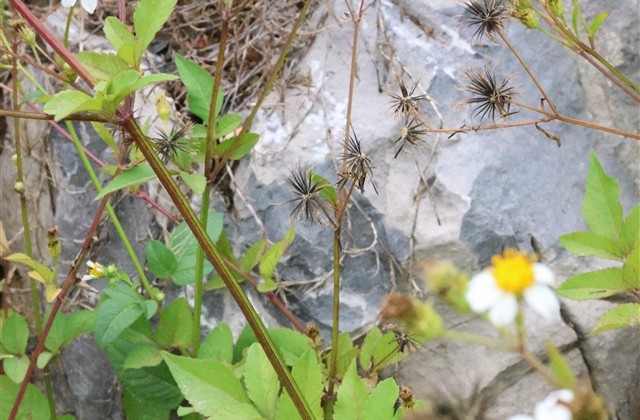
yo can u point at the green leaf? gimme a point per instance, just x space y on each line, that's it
104 134
102 66
43 270
625 315
43 359
236 148
591 244
379 350
68 102
227 124
16 367
565 376
77 324
352 395
144 81
379 404
143 356
271 258
211 388
122 40
245 339
347 353
14 334
176 325
162 262
185 247
261 381
140 409
574 17
199 86
218 345
327 192
308 376
137 175
197 182
596 23
34 404
602 210
631 269
149 17
253 255
115 314
594 284
55 338
630 234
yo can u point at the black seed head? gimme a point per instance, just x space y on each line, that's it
490 97
355 165
488 16
310 205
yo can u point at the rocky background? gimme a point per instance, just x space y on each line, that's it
482 192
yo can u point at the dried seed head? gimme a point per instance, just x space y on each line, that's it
406 103
356 165
488 15
490 97
168 145
411 132
310 204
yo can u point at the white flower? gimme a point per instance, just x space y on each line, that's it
511 277
95 271
88 5
554 407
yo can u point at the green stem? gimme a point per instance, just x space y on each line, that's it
475 339
204 211
112 214
546 373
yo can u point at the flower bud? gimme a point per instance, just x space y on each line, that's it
528 18
14 159
19 187
418 318
27 35
162 106
557 7
448 282
53 243
68 74
157 294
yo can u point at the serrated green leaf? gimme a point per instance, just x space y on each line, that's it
140 409
625 315
379 350
380 403
261 381
144 81
594 284
211 388
149 17
601 210
55 338
272 256
352 395
197 182
122 40
308 376
218 345
290 343
236 148
630 233
116 314
176 325
199 86
139 174
34 404
347 353
631 269
162 262
227 124
328 192
102 66
591 244
77 324
16 367
185 247
143 356
596 23
14 334
43 270
253 255
564 374
105 134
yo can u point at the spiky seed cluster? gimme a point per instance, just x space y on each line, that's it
406 104
405 341
356 165
488 16
310 205
168 145
490 97
411 132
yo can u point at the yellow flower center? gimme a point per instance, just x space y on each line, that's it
513 270
97 270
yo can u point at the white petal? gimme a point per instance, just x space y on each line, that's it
87 277
542 300
68 3
521 417
89 5
504 310
483 292
551 409
543 274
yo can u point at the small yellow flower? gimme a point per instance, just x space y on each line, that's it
513 276
95 271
